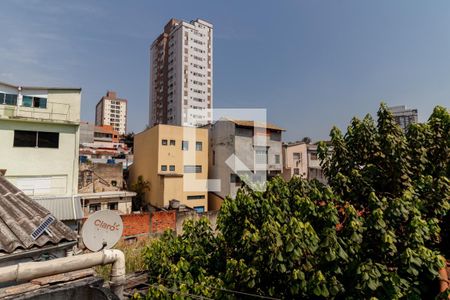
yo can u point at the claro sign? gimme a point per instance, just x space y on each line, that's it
104 225
102 230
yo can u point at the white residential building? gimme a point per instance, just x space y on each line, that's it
39 134
181 89
111 110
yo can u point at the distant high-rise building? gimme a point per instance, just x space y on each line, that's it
404 116
111 110
181 61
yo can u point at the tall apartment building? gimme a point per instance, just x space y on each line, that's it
111 110
181 89
403 116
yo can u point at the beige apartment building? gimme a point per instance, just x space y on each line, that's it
174 160
301 159
112 110
295 160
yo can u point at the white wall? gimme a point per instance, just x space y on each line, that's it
51 171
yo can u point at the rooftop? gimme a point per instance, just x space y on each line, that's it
38 87
246 123
19 217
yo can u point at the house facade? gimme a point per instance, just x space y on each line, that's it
257 147
295 160
39 133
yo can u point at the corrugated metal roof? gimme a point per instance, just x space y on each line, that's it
63 208
19 217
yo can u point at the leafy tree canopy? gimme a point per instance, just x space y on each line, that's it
377 231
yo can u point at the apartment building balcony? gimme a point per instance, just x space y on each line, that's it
53 112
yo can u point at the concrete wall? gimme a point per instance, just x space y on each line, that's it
123 203
41 171
86 132
183 216
100 177
228 139
221 148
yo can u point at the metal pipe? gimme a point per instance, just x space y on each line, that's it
31 270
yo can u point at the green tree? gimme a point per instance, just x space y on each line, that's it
375 232
140 187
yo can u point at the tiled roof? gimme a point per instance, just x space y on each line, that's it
19 217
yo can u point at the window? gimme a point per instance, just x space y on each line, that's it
39 102
277 158
113 183
196 197
192 169
297 156
198 146
172 168
94 207
234 178
163 168
29 101
185 145
8 99
296 171
313 155
199 209
24 138
113 206
172 142
214 158
275 135
48 139
164 142
261 156
243 131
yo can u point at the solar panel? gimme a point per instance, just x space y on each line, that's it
43 227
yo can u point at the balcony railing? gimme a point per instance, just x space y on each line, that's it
54 111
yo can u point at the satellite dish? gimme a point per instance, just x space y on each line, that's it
102 230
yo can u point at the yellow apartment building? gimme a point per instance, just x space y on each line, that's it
174 160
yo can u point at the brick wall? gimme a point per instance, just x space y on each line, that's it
135 224
139 224
163 220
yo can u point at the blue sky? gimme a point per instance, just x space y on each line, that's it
312 64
